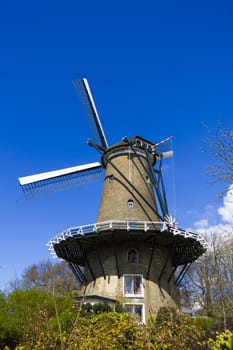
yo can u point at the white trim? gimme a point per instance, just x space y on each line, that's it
112 225
55 173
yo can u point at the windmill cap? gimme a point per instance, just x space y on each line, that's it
135 146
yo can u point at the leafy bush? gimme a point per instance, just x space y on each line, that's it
166 314
109 331
176 331
208 324
224 341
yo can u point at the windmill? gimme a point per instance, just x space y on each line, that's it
135 251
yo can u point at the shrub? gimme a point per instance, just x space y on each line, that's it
224 341
176 331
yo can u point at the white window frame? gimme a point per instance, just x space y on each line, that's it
133 295
137 304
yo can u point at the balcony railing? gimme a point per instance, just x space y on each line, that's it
123 225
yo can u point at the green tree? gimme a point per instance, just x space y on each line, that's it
29 313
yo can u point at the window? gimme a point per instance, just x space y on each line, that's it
132 256
111 178
136 309
133 286
130 203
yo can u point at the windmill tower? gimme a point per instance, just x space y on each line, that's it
134 252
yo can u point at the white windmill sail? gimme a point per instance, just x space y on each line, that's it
58 180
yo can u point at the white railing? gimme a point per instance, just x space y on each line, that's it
123 225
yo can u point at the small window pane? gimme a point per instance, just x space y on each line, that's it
138 310
128 285
137 284
129 309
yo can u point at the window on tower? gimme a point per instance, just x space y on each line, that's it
130 203
132 256
133 286
111 178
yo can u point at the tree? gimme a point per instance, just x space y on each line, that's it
219 146
29 314
210 281
56 277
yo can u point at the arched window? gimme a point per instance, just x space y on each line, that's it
132 256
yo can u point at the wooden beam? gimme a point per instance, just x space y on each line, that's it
181 276
99 259
116 258
86 260
77 272
151 257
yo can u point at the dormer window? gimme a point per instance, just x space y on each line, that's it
130 204
132 256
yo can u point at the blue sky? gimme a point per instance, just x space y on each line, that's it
156 68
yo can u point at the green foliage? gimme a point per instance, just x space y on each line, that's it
9 335
26 313
119 307
176 331
111 331
166 314
208 324
46 318
102 331
224 341
39 320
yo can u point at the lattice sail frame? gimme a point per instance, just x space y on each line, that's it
58 180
